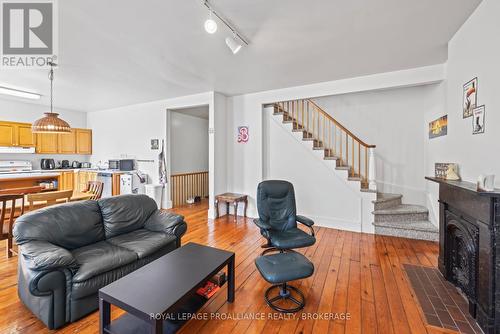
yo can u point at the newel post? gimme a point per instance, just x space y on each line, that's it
372 184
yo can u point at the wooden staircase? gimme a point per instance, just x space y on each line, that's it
328 135
356 158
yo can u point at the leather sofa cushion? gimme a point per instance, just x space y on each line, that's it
125 213
69 225
92 285
142 242
99 258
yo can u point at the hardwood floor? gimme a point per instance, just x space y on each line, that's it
357 274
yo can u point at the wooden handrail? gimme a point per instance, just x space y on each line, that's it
337 123
327 133
192 173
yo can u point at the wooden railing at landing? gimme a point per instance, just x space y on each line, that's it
187 185
329 134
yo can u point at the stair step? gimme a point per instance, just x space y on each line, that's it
387 201
332 157
318 148
354 178
423 230
402 212
343 168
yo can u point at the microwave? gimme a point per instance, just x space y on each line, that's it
127 165
114 164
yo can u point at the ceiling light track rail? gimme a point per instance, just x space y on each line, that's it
226 23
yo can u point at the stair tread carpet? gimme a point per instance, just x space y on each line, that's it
402 209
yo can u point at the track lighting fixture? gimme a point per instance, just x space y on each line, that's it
234 42
210 25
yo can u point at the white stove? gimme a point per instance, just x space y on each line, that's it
15 166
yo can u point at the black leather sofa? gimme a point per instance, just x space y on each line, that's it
68 252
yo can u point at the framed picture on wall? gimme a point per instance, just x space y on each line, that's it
478 120
469 98
438 127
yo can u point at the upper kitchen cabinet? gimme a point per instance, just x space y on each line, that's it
67 142
25 137
47 143
16 134
83 141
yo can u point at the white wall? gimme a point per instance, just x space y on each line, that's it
392 120
189 143
474 51
245 163
127 132
17 110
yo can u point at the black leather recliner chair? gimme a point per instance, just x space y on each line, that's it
278 217
68 252
278 224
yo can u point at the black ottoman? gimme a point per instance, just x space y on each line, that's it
278 269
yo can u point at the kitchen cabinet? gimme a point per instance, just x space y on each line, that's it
83 141
47 143
16 134
67 142
67 181
79 141
81 179
13 134
25 137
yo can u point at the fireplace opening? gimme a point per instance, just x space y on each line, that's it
461 251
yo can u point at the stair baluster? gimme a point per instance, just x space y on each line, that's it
320 127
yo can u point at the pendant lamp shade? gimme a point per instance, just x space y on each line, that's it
51 123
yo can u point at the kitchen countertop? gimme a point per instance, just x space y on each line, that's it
50 172
13 176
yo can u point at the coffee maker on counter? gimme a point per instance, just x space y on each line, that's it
47 164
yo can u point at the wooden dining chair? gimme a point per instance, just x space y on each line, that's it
95 188
22 191
49 198
7 221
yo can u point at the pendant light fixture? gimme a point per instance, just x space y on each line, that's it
51 123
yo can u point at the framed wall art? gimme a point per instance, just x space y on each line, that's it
469 98
478 120
438 127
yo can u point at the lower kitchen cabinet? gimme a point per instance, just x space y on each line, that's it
67 181
82 177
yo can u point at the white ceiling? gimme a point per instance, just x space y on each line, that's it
119 52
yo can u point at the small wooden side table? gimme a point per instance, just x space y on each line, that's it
233 198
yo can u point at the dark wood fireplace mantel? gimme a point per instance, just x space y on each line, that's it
469 247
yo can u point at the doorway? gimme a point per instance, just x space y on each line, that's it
189 155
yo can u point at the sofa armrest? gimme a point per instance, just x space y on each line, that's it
42 255
304 220
166 222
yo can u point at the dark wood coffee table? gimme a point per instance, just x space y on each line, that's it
151 292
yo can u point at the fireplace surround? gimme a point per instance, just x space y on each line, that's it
469 247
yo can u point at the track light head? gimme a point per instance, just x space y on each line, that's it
233 44
210 25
